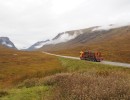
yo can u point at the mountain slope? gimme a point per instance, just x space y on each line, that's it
38 45
5 41
113 43
60 38
63 40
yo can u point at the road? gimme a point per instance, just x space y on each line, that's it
102 62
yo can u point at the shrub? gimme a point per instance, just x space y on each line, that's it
52 80
49 80
86 86
3 93
29 83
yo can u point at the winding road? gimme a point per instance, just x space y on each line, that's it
102 62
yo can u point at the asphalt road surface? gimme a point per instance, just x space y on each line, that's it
102 62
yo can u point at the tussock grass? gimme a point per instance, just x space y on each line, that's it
81 80
86 86
91 81
36 76
3 93
47 81
25 65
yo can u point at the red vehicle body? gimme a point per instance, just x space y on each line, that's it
91 56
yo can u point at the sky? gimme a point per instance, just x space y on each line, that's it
28 21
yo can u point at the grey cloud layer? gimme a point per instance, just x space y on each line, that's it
27 21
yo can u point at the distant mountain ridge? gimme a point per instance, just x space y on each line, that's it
5 41
38 45
74 38
60 38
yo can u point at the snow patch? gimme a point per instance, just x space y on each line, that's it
4 43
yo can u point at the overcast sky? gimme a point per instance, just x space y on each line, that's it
28 21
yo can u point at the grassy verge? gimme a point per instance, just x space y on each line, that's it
86 66
33 93
91 81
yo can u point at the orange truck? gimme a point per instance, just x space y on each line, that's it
91 56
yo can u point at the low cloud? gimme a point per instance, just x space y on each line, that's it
28 21
62 38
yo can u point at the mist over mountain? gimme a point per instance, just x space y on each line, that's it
60 38
5 41
38 45
71 38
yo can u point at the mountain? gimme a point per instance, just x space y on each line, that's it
113 41
64 37
67 39
60 38
38 45
5 41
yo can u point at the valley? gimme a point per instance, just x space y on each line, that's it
59 74
35 75
64 49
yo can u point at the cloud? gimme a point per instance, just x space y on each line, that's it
63 6
62 38
29 21
111 26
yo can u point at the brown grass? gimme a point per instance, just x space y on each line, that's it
100 86
16 66
3 93
81 80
